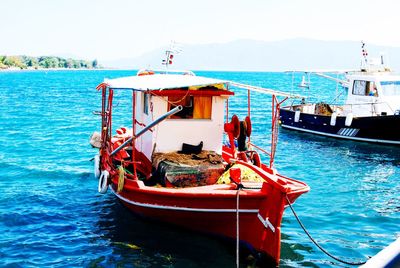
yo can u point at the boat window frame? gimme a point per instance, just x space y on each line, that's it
368 89
385 90
145 103
188 111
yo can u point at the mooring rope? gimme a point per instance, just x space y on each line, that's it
316 243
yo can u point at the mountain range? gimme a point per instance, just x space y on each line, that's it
253 55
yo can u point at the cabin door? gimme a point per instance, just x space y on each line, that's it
143 118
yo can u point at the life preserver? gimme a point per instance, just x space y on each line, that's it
103 182
97 166
145 72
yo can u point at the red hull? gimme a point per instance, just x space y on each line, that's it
212 208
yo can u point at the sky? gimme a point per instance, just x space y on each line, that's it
115 29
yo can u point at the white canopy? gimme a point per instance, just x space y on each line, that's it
161 81
175 81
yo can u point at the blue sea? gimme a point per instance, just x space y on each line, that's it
51 214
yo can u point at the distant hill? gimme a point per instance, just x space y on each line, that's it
252 55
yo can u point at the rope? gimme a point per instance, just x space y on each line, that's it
167 100
316 243
121 178
241 186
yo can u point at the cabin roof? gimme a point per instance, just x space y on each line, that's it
163 81
375 77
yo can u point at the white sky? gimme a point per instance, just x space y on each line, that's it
112 29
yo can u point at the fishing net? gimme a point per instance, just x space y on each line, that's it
246 175
182 170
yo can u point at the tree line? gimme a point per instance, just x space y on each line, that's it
27 62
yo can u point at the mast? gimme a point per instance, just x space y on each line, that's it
364 60
174 49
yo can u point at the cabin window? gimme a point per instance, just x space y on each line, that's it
202 107
390 88
194 107
364 88
359 88
145 103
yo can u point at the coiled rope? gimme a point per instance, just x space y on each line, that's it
316 243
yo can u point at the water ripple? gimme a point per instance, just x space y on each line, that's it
51 213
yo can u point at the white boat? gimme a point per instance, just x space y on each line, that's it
371 111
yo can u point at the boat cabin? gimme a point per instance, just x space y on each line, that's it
373 95
197 127
368 94
200 120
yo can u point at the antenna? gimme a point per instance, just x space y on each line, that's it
364 62
174 49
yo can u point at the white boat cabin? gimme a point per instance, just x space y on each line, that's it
201 120
373 95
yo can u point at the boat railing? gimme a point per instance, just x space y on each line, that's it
284 184
260 149
371 105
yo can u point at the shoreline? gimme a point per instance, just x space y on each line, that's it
57 69
128 69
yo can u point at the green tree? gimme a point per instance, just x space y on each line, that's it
76 64
2 65
44 62
14 61
31 62
95 64
62 63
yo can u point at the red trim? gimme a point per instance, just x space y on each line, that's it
102 86
142 125
177 92
142 164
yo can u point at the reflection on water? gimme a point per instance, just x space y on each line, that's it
353 201
363 151
144 242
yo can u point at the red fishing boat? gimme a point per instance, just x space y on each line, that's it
170 163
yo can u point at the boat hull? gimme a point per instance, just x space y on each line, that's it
213 209
376 129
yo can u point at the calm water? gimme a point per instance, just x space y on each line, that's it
52 215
